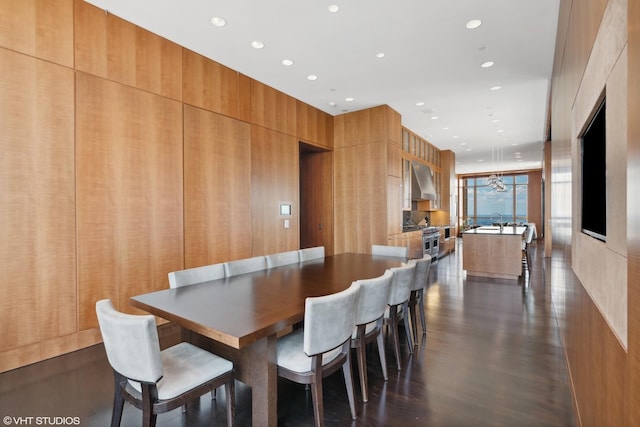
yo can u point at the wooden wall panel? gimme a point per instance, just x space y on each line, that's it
633 214
37 225
274 179
362 127
210 85
314 125
217 188
370 210
115 49
129 190
39 28
345 194
272 109
534 204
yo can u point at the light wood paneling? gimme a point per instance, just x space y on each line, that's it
129 189
361 127
272 109
210 85
217 188
37 224
346 190
314 125
316 200
633 215
370 209
394 161
244 93
110 47
274 179
39 28
394 205
534 199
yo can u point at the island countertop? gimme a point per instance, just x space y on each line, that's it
495 230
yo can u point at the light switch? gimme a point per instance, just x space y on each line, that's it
286 223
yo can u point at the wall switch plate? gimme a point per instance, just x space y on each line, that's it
286 223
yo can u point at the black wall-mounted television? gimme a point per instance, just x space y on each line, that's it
594 175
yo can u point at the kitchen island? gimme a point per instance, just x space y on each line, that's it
493 251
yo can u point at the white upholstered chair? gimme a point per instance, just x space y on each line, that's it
307 254
191 276
153 380
397 251
374 295
246 265
308 355
398 305
416 299
282 258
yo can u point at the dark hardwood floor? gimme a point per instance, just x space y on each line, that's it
492 356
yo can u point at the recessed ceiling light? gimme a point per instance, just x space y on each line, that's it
473 24
287 62
312 77
419 104
455 136
218 21
380 55
469 149
487 64
495 120
349 99
500 130
514 144
434 117
445 128
333 8
257 44
332 104
463 143
496 87
480 160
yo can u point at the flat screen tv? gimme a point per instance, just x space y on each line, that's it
594 176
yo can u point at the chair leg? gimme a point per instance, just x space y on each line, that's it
230 391
362 361
413 302
348 380
149 395
316 391
422 315
214 393
407 328
118 402
383 357
393 317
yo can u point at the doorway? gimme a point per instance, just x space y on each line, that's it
316 197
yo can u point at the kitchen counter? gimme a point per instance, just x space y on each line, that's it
495 230
491 252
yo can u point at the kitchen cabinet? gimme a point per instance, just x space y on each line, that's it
411 240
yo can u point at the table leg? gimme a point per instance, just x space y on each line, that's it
255 365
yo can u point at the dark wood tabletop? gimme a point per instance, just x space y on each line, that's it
240 310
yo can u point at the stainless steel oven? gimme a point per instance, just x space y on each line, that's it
431 241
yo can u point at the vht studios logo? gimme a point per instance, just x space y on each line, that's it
41 421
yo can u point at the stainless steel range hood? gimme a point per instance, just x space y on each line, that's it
422 186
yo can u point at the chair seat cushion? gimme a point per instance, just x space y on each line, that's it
291 356
185 367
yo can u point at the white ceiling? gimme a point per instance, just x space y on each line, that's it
429 56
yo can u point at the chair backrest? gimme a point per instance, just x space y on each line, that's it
131 342
329 320
401 283
191 276
282 258
397 251
311 253
530 231
374 296
247 265
423 266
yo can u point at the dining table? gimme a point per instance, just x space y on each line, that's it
240 317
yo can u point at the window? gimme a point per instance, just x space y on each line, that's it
484 205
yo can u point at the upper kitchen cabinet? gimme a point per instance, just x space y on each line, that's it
419 151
